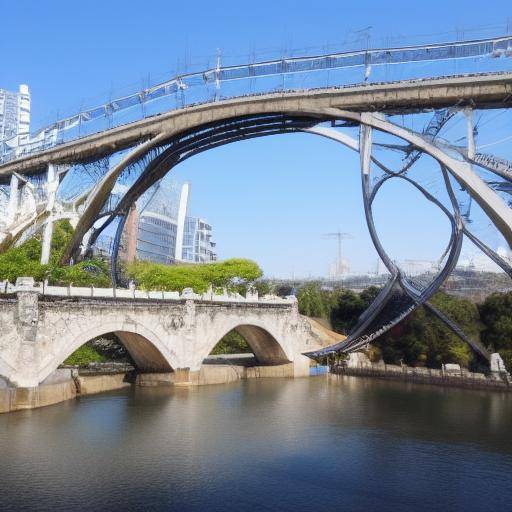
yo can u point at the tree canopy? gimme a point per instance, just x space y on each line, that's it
234 274
496 315
420 339
24 260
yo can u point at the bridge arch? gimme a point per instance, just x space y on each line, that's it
146 348
268 347
160 154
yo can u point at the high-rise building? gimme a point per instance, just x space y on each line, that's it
161 231
14 118
198 246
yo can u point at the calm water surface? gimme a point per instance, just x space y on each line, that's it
318 444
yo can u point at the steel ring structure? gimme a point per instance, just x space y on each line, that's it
401 295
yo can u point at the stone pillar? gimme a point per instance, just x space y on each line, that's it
27 316
190 313
498 368
301 365
294 313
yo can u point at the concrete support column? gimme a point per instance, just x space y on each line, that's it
365 146
52 184
47 241
468 112
12 207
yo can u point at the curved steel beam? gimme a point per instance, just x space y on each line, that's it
497 210
499 213
99 194
357 337
189 144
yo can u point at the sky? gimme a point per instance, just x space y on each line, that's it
269 199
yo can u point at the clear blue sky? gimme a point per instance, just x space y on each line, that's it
268 199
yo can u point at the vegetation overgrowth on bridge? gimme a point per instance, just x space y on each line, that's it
235 274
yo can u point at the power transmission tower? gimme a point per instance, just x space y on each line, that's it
339 236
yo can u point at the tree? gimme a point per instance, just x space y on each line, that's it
496 315
422 339
310 301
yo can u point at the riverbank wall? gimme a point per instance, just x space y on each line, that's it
63 385
459 379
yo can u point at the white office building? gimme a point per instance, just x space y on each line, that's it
14 118
198 246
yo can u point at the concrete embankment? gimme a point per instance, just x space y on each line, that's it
65 383
461 379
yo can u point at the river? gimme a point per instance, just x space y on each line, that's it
326 443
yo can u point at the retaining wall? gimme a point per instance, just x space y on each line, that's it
462 379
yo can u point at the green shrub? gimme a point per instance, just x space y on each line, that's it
232 343
232 274
84 355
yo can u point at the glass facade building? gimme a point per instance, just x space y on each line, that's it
163 231
156 238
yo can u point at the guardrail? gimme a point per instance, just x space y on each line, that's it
27 284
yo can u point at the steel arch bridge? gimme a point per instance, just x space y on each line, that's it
362 118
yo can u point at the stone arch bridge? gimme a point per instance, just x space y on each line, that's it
163 332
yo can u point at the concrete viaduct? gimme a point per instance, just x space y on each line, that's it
492 90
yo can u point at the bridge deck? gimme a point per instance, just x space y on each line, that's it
490 90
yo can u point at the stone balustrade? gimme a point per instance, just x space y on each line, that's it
27 284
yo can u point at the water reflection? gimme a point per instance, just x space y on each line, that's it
324 443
